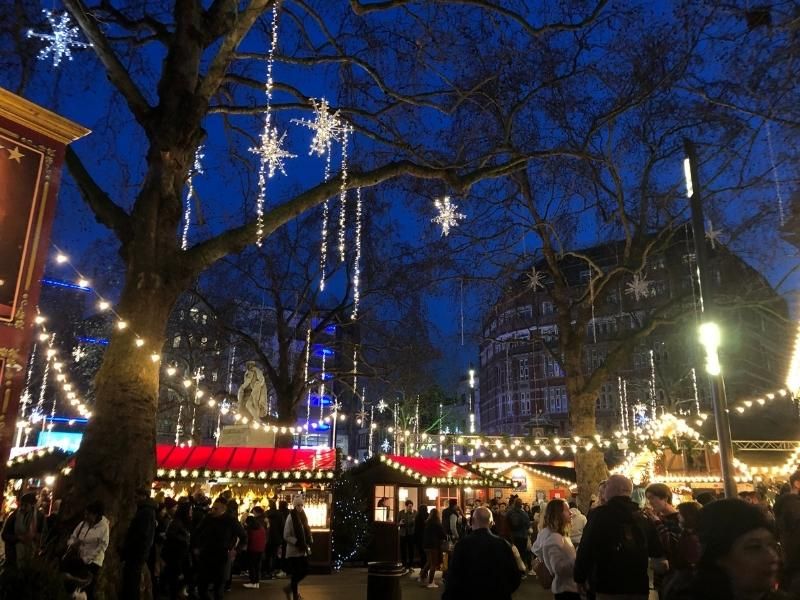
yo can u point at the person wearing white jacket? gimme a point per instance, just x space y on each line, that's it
555 549
90 540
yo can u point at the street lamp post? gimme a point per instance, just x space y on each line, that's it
709 332
471 424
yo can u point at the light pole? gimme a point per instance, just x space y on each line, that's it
709 333
471 424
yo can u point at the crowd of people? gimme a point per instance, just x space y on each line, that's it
631 543
189 547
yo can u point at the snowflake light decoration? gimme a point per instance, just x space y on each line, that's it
271 150
638 288
448 216
713 235
535 279
78 353
59 43
327 127
336 407
382 406
386 445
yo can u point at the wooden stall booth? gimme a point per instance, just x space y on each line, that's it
535 483
392 479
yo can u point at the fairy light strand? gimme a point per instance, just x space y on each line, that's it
323 250
270 151
343 200
357 260
197 169
778 191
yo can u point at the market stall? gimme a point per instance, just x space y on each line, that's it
253 475
535 483
391 479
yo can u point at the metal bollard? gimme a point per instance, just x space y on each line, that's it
383 580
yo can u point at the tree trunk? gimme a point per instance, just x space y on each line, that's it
590 469
117 454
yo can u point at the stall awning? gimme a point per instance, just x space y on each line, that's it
438 471
208 462
267 464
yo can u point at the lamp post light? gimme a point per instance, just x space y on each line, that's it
709 333
471 424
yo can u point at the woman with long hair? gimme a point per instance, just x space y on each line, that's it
297 534
433 537
554 548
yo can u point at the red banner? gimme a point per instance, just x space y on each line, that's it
32 143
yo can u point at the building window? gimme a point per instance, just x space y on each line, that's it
525 403
214 375
176 341
547 308
523 369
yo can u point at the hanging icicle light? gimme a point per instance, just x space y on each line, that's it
197 169
270 150
357 261
343 200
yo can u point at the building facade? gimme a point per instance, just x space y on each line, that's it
522 382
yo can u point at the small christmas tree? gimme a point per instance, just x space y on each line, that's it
350 521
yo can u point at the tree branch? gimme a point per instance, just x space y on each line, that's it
219 65
206 253
116 72
106 212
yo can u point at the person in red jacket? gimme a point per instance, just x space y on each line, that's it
256 544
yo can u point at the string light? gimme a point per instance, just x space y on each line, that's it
270 151
197 169
58 44
778 191
357 261
343 199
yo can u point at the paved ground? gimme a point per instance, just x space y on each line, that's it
351 584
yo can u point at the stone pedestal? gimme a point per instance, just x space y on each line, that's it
242 435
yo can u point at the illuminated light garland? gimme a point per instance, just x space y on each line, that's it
448 216
197 169
323 250
321 389
270 151
308 397
343 200
357 261
778 191
696 393
59 44
653 414
793 376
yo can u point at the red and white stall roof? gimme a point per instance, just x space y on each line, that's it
438 471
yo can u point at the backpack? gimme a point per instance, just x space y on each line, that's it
629 547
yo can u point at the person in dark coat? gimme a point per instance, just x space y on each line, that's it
138 542
618 540
419 534
177 552
274 538
432 540
739 557
482 565
215 538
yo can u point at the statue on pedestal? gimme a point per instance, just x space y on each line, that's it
252 395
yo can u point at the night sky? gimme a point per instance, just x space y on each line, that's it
113 154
